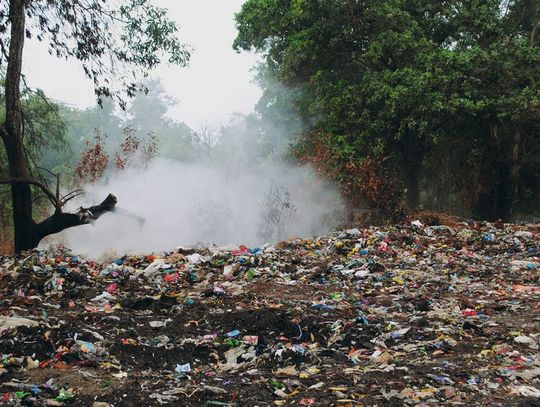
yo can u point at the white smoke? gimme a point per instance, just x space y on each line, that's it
184 204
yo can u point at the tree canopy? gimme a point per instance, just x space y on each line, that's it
116 43
443 93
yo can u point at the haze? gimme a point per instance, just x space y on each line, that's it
186 201
217 83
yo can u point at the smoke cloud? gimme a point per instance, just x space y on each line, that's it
185 204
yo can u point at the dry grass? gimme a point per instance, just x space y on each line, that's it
436 218
6 245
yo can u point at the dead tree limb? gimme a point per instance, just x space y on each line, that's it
60 221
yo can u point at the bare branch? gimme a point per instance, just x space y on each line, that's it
38 183
46 170
73 194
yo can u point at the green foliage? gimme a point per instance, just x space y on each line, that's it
43 125
44 131
121 40
146 114
399 78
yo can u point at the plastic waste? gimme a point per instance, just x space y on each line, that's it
400 315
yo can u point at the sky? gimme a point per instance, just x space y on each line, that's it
217 83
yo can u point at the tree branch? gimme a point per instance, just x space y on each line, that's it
60 221
40 184
68 197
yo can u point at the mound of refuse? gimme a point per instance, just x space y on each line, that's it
400 315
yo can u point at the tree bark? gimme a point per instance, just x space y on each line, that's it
24 226
499 199
412 154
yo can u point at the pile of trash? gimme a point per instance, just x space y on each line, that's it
401 315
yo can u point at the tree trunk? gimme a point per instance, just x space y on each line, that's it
412 154
515 168
413 187
27 233
12 132
499 199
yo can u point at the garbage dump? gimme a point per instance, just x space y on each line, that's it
410 314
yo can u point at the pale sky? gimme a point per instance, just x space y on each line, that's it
217 83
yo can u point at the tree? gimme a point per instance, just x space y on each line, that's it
400 81
150 108
148 115
82 124
41 117
358 70
109 39
205 140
